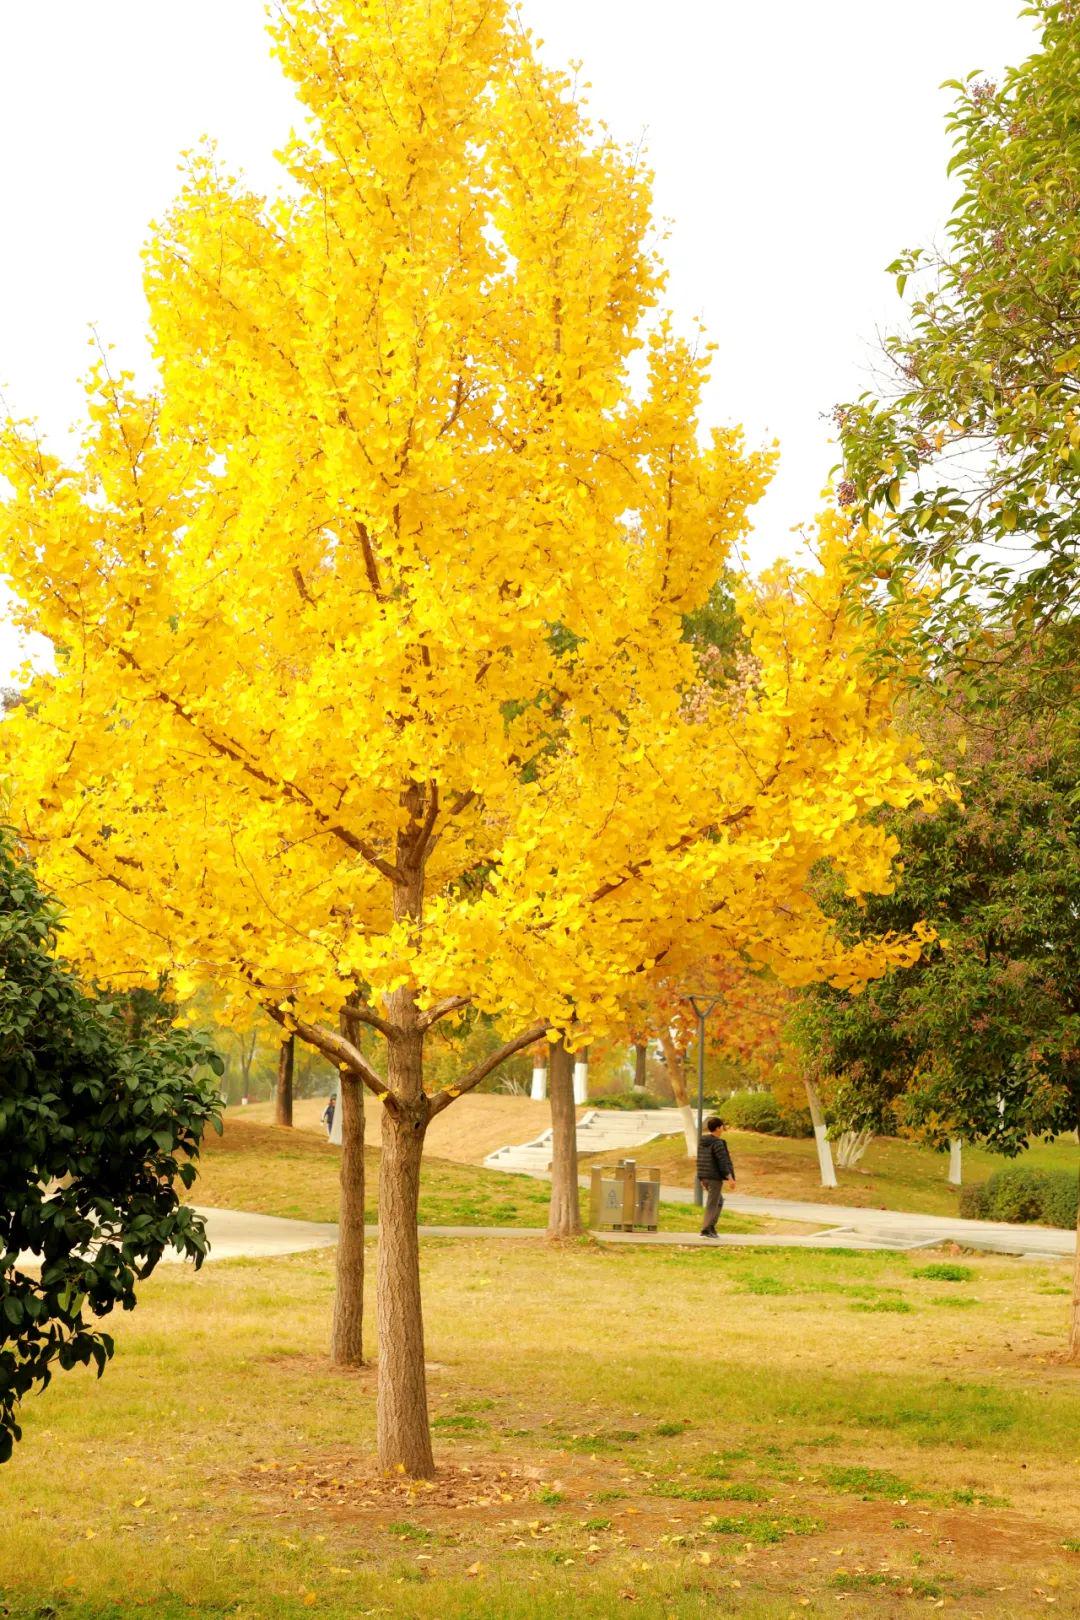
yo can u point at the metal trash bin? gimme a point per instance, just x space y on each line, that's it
611 1206
619 1202
647 1201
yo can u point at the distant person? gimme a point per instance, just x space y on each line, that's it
328 1115
714 1167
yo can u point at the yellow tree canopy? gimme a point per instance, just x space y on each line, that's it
370 668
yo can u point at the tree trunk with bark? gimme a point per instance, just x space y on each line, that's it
641 1053
677 1076
283 1098
1074 1335
404 1434
347 1334
821 1137
564 1219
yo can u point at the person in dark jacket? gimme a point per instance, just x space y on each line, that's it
714 1167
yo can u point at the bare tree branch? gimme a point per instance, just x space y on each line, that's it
441 1009
443 1099
342 1052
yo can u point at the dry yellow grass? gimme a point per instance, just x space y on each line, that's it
677 1434
466 1133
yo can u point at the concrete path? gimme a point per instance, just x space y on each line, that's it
234 1234
899 1229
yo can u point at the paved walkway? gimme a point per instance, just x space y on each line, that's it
234 1233
600 1130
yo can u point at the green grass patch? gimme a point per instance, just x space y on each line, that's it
895 1307
870 1483
945 1273
762 1532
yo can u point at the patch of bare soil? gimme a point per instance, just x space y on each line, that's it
344 1486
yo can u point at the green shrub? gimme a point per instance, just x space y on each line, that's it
752 1111
796 1122
1017 1193
627 1100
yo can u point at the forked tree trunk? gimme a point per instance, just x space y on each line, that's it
283 1101
677 1076
956 1161
821 1138
851 1147
404 1434
641 1052
564 1218
347 1334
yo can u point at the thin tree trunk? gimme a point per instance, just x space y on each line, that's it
641 1053
677 1076
404 1434
1074 1331
347 1336
824 1151
1074 1336
956 1161
564 1219
283 1109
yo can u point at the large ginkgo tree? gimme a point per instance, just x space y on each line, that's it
371 700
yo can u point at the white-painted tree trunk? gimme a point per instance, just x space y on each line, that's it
851 1147
956 1161
689 1125
540 1078
821 1137
335 1123
581 1078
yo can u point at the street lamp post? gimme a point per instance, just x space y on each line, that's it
703 1006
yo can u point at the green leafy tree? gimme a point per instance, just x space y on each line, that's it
102 1108
981 1039
973 455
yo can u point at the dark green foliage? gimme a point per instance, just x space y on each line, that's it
1015 1193
101 1114
946 1273
974 459
981 1039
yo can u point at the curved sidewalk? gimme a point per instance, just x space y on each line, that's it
236 1234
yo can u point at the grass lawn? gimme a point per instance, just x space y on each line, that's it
893 1175
293 1173
650 1433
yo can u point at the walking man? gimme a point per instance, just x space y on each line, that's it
714 1167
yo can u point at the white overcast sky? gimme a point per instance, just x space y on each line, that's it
797 148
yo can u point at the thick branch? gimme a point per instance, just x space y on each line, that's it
334 1046
366 1015
443 1099
441 1009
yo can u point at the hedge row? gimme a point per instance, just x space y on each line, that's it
1016 1193
760 1111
